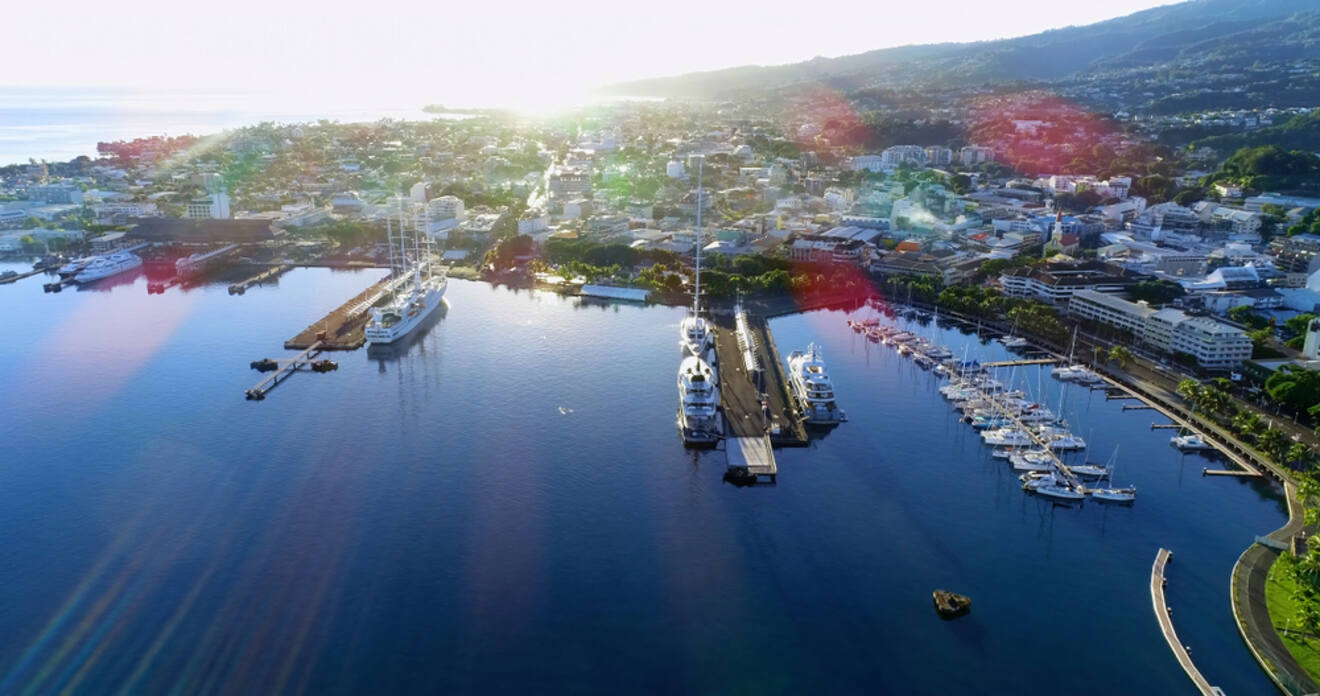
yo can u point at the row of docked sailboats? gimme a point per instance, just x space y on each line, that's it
411 254
1028 435
699 420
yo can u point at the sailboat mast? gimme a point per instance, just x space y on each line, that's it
696 292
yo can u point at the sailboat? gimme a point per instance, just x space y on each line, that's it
410 303
1110 494
695 337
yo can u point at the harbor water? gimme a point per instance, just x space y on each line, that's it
504 506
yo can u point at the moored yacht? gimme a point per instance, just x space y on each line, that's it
1190 442
812 388
109 265
696 337
698 402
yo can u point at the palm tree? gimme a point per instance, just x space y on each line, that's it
1298 453
1273 443
1247 424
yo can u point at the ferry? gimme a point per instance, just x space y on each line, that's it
812 388
105 266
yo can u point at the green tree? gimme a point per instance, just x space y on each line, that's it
1121 355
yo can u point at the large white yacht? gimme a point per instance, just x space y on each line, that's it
696 337
411 302
698 402
75 266
812 387
105 266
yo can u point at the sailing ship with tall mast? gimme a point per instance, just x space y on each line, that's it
695 335
410 303
698 390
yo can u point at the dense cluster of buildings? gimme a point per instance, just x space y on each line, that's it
938 210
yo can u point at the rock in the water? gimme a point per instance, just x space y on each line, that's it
951 604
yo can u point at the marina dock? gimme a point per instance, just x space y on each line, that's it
27 274
264 276
758 411
1020 363
284 371
1165 618
343 326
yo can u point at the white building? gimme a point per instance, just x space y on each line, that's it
212 207
869 163
893 157
939 156
974 154
1215 344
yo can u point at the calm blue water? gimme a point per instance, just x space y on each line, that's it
506 507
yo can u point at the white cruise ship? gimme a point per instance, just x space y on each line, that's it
105 266
698 402
812 387
412 302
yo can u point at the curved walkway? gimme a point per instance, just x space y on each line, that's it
1250 575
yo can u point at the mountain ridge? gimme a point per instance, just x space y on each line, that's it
1139 40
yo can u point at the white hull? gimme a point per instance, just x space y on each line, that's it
417 310
101 270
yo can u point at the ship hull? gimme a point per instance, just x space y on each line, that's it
431 301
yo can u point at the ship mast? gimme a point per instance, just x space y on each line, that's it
696 292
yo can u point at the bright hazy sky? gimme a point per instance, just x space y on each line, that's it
473 52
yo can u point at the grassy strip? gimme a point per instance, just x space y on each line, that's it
1279 597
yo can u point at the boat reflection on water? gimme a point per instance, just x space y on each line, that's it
392 352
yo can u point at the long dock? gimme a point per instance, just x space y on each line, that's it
284 371
27 274
343 326
265 276
758 411
1017 363
1165 618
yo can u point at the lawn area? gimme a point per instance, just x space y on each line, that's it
1279 592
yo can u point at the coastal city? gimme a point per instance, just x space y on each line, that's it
644 371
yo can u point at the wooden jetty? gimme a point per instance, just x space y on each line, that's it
342 327
1138 407
284 371
264 276
1165 426
1121 396
1227 472
1018 363
1165 618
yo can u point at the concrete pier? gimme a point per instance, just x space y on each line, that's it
343 326
1164 616
758 410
